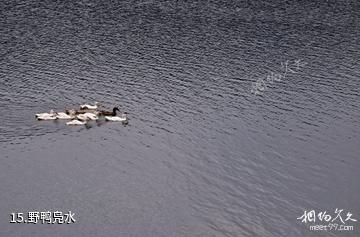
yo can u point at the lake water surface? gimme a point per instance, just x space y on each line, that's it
202 155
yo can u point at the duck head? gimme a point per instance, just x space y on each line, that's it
70 112
114 111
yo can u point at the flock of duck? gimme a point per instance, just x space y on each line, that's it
83 115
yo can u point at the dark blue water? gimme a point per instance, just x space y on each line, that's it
202 155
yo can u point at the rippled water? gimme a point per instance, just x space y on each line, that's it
202 155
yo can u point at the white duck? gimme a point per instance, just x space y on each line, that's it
62 115
87 116
86 106
47 117
121 118
91 116
82 117
76 122
52 112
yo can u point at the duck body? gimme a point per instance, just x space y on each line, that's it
83 111
121 118
108 113
91 116
82 117
45 114
115 119
87 116
92 107
76 122
62 115
47 117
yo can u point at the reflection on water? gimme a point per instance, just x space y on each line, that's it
201 155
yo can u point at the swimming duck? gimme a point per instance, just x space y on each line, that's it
86 106
52 112
123 118
91 116
82 117
84 111
108 113
62 115
47 117
76 122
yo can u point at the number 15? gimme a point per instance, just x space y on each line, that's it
16 217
